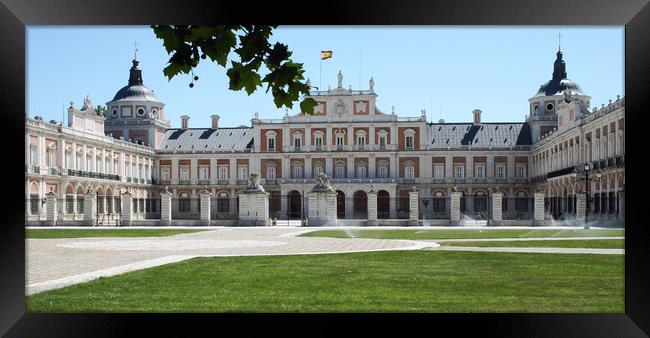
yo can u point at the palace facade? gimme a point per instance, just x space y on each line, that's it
360 147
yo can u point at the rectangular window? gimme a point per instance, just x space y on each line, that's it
459 170
383 172
521 171
319 142
361 172
270 173
409 142
339 140
409 172
184 173
271 144
32 156
203 173
501 171
438 171
361 140
50 158
223 173
297 172
382 142
318 170
68 160
480 171
340 172
296 142
243 172
164 174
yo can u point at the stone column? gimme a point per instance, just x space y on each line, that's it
497 211
205 207
372 208
254 208
581 207
50 208
126 217
322 208
165 208
538 208
455 207
90 207
413 207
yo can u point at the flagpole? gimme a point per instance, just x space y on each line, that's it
320 76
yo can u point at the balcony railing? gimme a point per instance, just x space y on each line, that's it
382 147
297 148
271 181
242 182
318 148
80 173
438 180
184 182
459 180
204 182
360 147
223 182
164 182
620 161
481 180
339 147
500 180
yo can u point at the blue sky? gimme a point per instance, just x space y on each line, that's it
446 70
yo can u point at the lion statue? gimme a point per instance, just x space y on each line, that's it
254 182
323 183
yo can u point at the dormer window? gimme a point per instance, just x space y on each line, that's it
114 112
140 111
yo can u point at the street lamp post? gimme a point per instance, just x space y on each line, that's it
598 174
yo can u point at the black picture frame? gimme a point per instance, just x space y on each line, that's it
15 15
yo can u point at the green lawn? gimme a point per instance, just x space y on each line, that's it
73 233
396 281
463 233
592 243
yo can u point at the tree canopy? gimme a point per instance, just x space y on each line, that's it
189 45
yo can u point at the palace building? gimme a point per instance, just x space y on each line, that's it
564 148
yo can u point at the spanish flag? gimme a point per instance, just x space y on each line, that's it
325 54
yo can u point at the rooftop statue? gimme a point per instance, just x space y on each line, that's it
372 84
340 76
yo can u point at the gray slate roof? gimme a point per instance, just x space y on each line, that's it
495 135
207 140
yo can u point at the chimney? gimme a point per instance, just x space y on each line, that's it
215 121
185 121
477 116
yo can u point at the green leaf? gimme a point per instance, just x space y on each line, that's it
307 106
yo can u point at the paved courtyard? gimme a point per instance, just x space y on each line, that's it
55 263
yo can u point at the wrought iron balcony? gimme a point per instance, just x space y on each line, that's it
184 182
439 180
360 147
459 180
500 180
318 148
204 182
164 182
242 182
271 182
382 147
339 147
481 180
128 179
53 171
